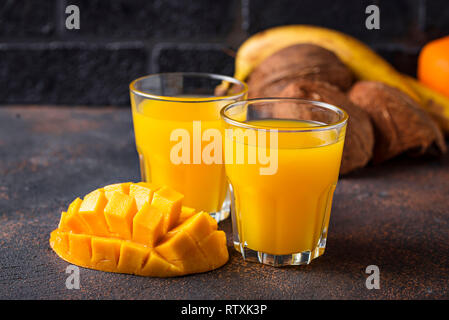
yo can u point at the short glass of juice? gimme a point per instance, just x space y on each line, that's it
176 119
282 159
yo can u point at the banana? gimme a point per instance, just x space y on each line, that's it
364 62
433 102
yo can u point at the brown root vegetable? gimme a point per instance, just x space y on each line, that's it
359 141
399 122
301 61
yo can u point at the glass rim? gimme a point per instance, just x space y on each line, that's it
336 125
223 78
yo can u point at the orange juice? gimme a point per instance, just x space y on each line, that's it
287 212
203 185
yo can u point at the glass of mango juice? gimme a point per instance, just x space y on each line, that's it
176 120
282 160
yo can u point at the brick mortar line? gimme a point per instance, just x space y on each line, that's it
158 47
238 33
67 45
186 43
244 12
107 41
60 16
99 39
409 49
422 11
65 36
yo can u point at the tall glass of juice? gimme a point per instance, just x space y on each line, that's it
282 159
174 116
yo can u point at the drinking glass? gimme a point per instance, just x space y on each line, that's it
172 113
282 159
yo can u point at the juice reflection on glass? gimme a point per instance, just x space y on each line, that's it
162 106
282 218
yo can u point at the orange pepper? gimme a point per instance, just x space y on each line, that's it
433 65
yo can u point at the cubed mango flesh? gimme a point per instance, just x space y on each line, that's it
148 225
120 187
198 226
91 211
80 246
142 193
71 220
119 214
215 241
105 253
139 229
59 241
156 265
132 257
186 212
169 202
181 250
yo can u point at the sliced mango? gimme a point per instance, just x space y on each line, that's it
180 249
119 214
59 241
186 212
80 246
177 246
148 225
70 220
139 229
132 257
215 241
142 193
156 265
105 253
198 226
169 202
91 211
119 187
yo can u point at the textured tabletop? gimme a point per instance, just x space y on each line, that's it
394 216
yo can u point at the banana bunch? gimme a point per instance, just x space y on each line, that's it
364 62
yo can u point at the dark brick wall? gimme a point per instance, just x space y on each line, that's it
41 62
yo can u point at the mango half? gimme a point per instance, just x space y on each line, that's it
141 229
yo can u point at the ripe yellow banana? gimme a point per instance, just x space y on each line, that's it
433 102
362 60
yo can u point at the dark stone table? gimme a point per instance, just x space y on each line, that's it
395 216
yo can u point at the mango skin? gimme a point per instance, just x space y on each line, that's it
167 239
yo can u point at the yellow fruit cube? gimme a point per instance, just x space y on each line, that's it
169 202
147 184
180 249
186 212
132 257
157 266
198 226
70 220
176 246
62 223
142 193
216 243
105 253
91 211
148 225
119 214
80 248
120 187
59 241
